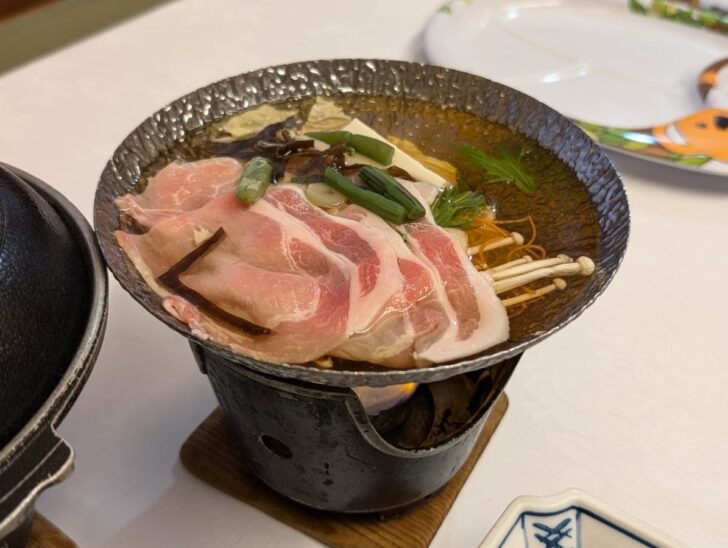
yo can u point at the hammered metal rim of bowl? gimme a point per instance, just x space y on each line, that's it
444 87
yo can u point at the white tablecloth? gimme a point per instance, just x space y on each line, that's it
628 403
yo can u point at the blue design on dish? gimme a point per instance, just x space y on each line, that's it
568 528
553 536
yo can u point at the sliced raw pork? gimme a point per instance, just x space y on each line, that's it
265 270
310 282
181 187
375 275
479 318
411 320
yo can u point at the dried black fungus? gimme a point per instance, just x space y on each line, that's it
171 280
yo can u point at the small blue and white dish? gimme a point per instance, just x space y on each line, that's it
571 519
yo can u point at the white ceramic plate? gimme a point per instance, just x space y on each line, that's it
572 519
595 61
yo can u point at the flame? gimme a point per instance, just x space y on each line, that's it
378 399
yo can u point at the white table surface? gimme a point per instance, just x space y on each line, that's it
628 403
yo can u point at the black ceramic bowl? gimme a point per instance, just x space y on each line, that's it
604 201
53 291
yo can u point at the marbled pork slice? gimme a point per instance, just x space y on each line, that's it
480 319
181 187
373 263
412 319
265 270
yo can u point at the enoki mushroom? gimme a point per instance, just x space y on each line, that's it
514 264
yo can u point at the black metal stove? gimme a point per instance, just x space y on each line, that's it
316 444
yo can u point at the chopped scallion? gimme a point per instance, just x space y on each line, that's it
257 175
379 151
383 183
376 203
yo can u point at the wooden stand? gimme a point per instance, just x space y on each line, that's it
43 534
211 454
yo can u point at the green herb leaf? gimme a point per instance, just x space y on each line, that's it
457 209
506 168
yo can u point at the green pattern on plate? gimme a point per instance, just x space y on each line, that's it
638 140
682 13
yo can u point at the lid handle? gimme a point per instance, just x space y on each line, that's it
46 460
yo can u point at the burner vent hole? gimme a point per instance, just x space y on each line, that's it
276 446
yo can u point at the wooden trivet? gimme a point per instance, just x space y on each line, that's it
211 454
43 534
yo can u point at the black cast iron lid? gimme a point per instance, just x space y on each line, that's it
374 77
53 304
44 301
